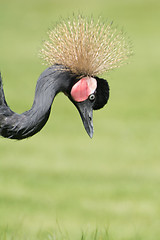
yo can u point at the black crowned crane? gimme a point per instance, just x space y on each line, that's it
77 51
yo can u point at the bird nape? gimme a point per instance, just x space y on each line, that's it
77 51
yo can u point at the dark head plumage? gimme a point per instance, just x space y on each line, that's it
102 93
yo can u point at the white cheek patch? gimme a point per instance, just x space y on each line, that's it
83 88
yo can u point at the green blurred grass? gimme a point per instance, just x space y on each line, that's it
60 174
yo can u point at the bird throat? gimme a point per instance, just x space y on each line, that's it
83 88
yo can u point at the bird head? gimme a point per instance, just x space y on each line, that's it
88 94
86 48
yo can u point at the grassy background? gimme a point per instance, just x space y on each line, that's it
111 181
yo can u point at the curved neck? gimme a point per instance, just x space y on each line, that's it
20 126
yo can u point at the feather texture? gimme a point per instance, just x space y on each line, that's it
86 47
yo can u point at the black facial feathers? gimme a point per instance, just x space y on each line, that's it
102 93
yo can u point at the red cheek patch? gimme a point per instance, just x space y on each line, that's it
83 88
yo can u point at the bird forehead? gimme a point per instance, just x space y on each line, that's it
83 88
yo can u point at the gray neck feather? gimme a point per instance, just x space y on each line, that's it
20 126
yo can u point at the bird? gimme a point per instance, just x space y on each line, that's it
76 52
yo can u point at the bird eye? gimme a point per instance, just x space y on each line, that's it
91 97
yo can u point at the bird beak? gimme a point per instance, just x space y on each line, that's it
86 112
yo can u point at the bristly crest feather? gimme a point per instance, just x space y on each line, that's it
86 47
